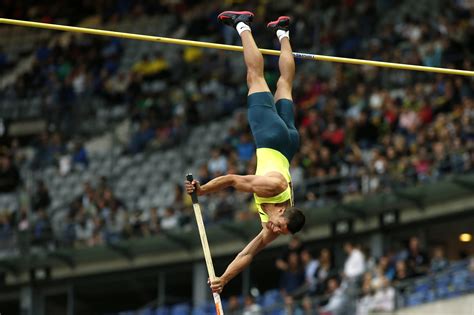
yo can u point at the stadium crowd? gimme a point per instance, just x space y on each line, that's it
362 129
364 284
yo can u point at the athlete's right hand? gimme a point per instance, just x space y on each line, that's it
217 285
192 186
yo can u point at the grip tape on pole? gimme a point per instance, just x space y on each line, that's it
194 196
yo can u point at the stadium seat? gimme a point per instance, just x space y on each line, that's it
200 310
180 309
460 280
415 298
146 311
162 310
442 283
270 298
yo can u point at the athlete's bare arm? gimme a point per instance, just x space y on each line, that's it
269 185
244 258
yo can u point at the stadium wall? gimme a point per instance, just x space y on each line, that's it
460 306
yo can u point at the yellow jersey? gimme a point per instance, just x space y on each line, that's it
270 160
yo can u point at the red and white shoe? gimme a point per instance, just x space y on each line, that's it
282 23
232 18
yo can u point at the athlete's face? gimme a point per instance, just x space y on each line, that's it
278 225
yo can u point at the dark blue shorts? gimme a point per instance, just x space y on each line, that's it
273 125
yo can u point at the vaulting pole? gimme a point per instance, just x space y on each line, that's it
193 43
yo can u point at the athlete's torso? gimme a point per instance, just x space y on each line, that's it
270 160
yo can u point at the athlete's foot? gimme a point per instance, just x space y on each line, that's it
232 18
282 23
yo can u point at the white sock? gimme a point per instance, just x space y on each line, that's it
281 34
242 27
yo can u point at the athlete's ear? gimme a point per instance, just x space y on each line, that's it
281 210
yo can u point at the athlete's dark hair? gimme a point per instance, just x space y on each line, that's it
296 219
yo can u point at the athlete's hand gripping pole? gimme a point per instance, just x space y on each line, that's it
205 245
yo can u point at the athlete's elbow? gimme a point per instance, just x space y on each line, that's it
245 255
278 187
232 180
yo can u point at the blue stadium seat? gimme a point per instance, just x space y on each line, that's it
277 311
415 298
442 285
422 286
147 311
460 280
180 309
458 265
201 310
271 297
162 310
430 296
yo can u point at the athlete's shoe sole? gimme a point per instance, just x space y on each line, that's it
232 18
282 23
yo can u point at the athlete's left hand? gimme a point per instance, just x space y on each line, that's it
191 186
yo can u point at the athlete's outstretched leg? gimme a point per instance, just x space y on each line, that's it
283 96
253 57
286 62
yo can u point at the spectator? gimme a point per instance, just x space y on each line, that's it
203 174
6 228
308 306
154 223
251 308
354 267
387 266
293 279
439 261
41 198
225 208
384 298
245 147
114 225
138 224
401 272
84 230
310 266
149 67
141 138
417 260
69 230
365 304
98 236
217 164
23 221
290 306
9 175
79 156
297 174
294 246
170 219
366 132
233 306
333 136
42 231
324 271
338 299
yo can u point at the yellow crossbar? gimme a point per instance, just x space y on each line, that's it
193 43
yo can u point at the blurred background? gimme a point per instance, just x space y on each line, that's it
97 133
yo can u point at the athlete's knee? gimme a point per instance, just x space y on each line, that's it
255 76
